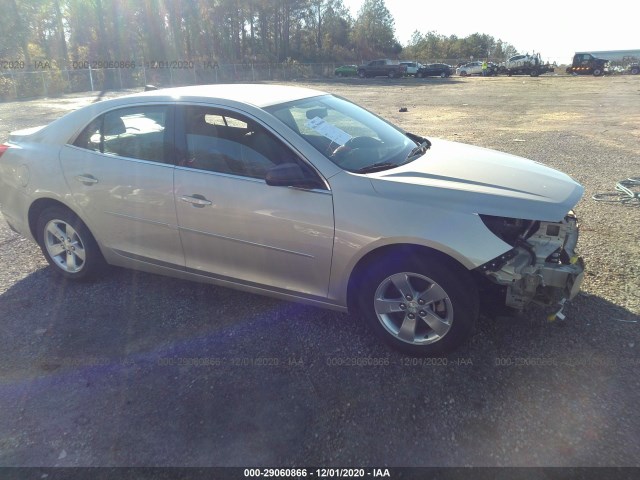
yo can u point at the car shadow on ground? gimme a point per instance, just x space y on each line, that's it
138 369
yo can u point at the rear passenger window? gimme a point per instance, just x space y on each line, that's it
135 132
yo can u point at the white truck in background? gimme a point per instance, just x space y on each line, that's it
525 65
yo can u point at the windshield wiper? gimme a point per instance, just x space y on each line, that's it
419 150
376 167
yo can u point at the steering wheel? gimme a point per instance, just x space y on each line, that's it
355 143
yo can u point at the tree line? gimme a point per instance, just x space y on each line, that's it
225 31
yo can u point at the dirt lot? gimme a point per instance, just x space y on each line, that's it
102 374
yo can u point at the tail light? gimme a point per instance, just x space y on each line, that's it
3 148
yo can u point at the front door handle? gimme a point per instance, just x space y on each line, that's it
196 200
87 179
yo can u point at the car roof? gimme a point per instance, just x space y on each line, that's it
259 95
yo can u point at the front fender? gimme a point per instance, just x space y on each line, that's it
366 221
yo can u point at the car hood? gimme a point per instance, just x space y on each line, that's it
455 175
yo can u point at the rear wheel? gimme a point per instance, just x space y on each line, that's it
418 74
419 306
597 72
463 73
391 74
443 75
362 74
635 70
68 245
534 73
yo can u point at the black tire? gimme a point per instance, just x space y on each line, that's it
391 74
597 72
635 71
79 240
534 73
339 74
459 304
443 75
418 75
362 74
463 73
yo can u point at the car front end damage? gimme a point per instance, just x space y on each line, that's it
542 267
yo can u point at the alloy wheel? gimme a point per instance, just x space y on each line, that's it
413 308
64 245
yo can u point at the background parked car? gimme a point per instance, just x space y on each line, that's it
475 68
435 70
412 67
346 71
471 68
383 67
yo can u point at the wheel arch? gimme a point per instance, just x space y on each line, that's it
388 251
40 205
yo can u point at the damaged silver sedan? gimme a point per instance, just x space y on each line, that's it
297 194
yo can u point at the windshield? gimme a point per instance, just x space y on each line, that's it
348 135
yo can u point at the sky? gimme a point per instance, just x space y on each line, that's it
554 28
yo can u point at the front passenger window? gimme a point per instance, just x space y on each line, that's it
226 142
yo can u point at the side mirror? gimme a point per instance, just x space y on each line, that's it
289 175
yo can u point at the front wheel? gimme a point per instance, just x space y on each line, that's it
597 72
463 74
635 71
443 75
68 245
419 306
362 74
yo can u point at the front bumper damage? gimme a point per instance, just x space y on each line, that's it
543 266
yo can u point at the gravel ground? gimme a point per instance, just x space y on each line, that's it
101 374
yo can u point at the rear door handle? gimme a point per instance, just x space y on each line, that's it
87 179
196 200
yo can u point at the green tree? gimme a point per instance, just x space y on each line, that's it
503 51
338 24
19 29
373 31
218 30
433 46
326 26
